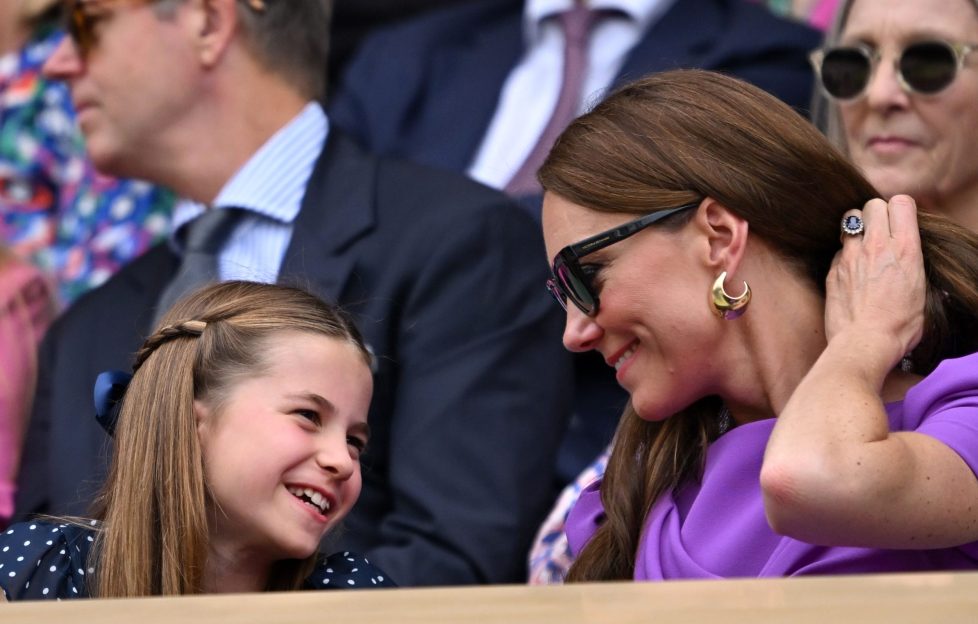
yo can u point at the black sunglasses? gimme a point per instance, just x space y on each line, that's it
569 280
923 67
82 17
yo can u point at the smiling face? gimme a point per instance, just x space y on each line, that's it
281 451
918 144
653 324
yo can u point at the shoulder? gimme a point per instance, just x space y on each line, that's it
445 26
44 560
347 570
953 383
944 405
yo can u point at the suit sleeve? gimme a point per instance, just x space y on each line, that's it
482 404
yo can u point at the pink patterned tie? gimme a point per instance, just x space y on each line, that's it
576 23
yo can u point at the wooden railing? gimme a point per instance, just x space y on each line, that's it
932 598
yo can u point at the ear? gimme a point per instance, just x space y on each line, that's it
214 24
203 415
725 234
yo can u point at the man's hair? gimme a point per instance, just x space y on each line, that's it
290 38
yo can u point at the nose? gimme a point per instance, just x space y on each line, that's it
581 332
64 63
333 456
884 91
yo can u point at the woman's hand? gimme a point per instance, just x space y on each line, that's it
876 288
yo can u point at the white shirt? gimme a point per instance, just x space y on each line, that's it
530 92
269 188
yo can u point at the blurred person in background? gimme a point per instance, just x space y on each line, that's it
899 93
55 210
26 309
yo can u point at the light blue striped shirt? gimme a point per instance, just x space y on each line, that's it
269 188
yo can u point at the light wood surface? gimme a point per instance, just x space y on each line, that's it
931 598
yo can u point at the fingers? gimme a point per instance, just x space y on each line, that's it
902 211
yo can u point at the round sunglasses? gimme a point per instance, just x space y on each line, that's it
569 280
924 67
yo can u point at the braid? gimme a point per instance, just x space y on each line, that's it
189 329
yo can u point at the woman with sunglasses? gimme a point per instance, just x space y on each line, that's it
899 86
804 397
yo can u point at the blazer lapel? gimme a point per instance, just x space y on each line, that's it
464 86
680 38
338 208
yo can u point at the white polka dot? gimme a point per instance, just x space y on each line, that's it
80 571
349 559
33 526
74 590
61 552
27 543
53 568
380 577
54 530
45 591
374 581
27 585
20 558
330 570
91 539
10 532
93 522
354 569
50 543
6 548
13 574
346 554
325 581
350 582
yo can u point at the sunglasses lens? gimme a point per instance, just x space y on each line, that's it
928 67
575 289
845 72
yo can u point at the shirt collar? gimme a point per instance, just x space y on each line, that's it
273 181
641 12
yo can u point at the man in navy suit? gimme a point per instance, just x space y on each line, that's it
216 100
470 89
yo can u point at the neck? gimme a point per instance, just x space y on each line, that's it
961 208
240 110
775 343
231 570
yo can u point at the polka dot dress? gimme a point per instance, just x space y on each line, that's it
47 561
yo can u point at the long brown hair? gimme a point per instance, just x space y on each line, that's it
678 137
153 538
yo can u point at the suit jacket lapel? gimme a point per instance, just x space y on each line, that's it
338 208
480 63
679 38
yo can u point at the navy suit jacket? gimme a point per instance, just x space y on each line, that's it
427 89
446 280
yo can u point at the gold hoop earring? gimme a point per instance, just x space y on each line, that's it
727 307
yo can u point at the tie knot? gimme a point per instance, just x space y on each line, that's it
208 232
577 22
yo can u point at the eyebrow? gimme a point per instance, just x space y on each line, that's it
327 405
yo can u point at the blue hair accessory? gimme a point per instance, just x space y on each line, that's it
110 387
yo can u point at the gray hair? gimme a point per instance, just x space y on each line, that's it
824 111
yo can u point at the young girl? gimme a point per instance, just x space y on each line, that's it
236 450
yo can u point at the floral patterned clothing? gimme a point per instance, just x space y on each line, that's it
55 210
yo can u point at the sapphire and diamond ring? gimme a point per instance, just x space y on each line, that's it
852 225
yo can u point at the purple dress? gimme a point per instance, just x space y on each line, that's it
716 528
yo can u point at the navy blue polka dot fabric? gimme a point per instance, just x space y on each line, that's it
47 561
